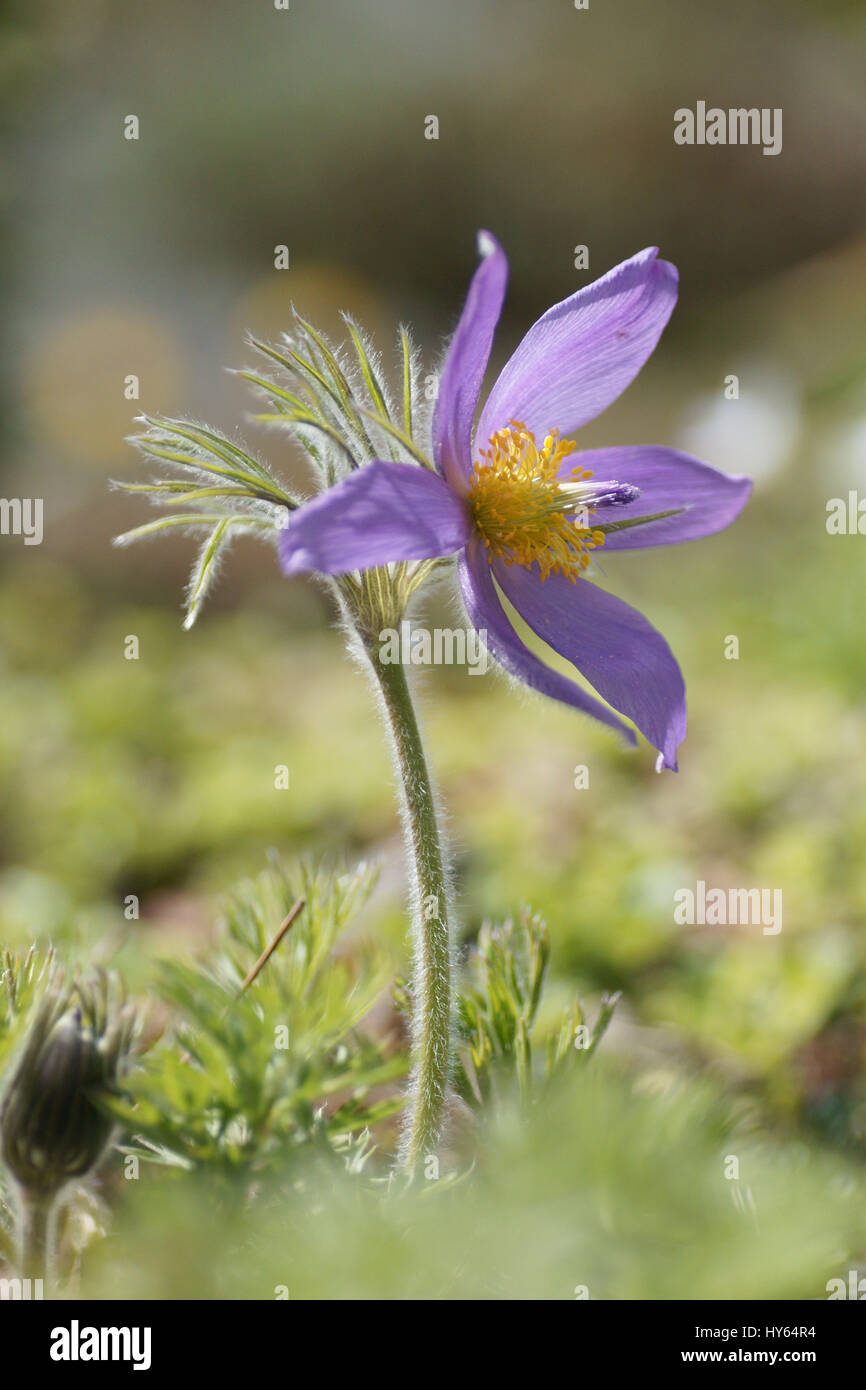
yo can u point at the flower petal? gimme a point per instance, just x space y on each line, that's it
584 351
706 500
611 644
488 616
384 511
466 363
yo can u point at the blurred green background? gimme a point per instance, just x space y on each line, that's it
261 127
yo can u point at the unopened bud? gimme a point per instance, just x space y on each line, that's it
52 1124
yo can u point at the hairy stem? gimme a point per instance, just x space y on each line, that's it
35 1234
432 990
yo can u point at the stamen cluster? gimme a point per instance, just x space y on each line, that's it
527 510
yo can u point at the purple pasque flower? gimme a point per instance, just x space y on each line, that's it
525 511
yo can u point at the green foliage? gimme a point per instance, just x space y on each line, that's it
267 1169
613 1185
24 977
249 1073
339 406
497 1016
223 492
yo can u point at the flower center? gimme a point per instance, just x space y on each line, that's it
528 512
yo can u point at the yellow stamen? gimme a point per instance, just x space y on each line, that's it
525 512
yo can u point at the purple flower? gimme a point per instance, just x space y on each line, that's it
526 511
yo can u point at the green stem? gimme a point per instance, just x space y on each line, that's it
35 1234
432 990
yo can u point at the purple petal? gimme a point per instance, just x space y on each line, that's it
611 644
488 616
385 511
583 352
466 363
667 480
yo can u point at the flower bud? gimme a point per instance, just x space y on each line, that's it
52 1125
